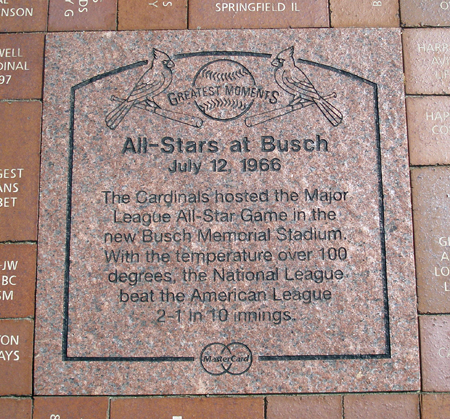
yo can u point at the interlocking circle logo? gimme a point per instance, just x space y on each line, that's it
217 358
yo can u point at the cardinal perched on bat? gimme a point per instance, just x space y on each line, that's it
153 82
294 81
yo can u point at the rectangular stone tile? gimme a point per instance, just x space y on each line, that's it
428 130
20 124
23 15
82 15
381 406
435 406
309 407
18 277
15 408
425 13
435 352
188 408
152 14
70 407
426 56
21 65
364 14
205 205
431 190
228 15
16 357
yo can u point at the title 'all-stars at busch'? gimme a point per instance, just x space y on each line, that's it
294 81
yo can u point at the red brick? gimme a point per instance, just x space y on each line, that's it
364 14
426 57
296 14
435 352
70 407
17 280
21 66
308 407
431 188
23 15
20 124
425 13
428 130
15 408
381 406
16 357
188 408
83 15
435 406
152 14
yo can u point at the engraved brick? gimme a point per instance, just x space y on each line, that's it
428 130
16 357
19 168
23 15
427 58
425 13
435 352
431 199
82 15
70 407
187 408
435 406
310 407
17 280
21 63
152 14
381 406
220 15
216 160
366 14
15 408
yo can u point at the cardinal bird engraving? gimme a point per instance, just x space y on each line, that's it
154 81
294 81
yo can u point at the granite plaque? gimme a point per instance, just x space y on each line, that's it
225 212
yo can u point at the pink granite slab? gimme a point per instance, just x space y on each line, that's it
289 147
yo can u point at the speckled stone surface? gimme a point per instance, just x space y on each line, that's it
171 160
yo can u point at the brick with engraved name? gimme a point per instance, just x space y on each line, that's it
17 279
425 13
435 352
368 13
427 59
431 199
21 63
82 15
19 169
70 407
185 408
428 130
274 14
152 14
23 15
16 357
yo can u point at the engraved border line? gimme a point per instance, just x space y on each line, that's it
65 357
